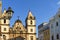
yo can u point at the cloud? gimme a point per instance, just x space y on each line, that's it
58 2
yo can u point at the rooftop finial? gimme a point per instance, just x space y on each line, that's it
29 11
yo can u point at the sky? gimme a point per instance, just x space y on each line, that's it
43 10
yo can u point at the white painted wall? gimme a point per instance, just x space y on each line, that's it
2 28
54 30
33 22
29 29
5 25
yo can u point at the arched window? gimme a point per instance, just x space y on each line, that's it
31 30
57 36
4 20
4 29
31 22
30 17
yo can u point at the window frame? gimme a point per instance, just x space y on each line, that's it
57 36
31 22
57 23
4 20
31 30
4 29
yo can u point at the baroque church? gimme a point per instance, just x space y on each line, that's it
18 31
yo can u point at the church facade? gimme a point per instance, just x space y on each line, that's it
18 31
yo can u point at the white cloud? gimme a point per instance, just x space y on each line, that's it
58 2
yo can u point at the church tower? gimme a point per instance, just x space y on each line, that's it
5 23
31 26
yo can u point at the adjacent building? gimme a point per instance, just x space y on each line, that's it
46 32
51 31
55 26
41 31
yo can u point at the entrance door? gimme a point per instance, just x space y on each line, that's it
19 38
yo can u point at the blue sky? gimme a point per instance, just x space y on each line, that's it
43 10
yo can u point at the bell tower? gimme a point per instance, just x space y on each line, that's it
5 23
31 26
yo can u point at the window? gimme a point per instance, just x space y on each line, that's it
57 36
17 27
56 23
4 20
31 37
31 21
52 37
20 28
31 30
4 29
30 17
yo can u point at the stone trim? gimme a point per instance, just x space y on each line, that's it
5 24
15 33
32 25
